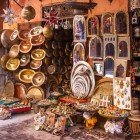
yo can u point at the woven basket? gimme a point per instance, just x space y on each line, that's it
134 127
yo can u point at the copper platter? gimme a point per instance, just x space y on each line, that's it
35 93
26 75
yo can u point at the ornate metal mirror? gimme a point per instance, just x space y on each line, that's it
99 68
96 48
122 23
109 67
109 50
92 26
78 53
123 50
107 23
79 28
110 46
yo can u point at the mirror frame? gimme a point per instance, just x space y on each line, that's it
81 17
99 62
102 49
110 39
127 40
102 24
83 48
124 64
87 25
127 22
114 66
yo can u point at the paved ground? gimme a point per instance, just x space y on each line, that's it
19 128
17 118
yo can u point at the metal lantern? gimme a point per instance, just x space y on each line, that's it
28 13
48 32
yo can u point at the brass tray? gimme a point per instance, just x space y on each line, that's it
35 93
104 87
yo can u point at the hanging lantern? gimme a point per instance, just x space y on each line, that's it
28 13
48 32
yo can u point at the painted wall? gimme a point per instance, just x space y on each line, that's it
103 6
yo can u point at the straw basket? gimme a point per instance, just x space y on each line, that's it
134 122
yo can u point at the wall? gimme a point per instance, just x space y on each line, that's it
103 6
2 6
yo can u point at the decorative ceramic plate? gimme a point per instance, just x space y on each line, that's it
82 80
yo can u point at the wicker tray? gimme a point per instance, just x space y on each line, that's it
104 87
111 117
86 108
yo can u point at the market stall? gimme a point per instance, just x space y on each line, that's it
73 66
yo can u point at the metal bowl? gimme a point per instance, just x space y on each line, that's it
38 79
37 40
12 64
5 38
26 75
25 46
14 51
36 31
35 64
24 59
38 54
23 35
4 60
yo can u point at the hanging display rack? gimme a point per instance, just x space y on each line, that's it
69 8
